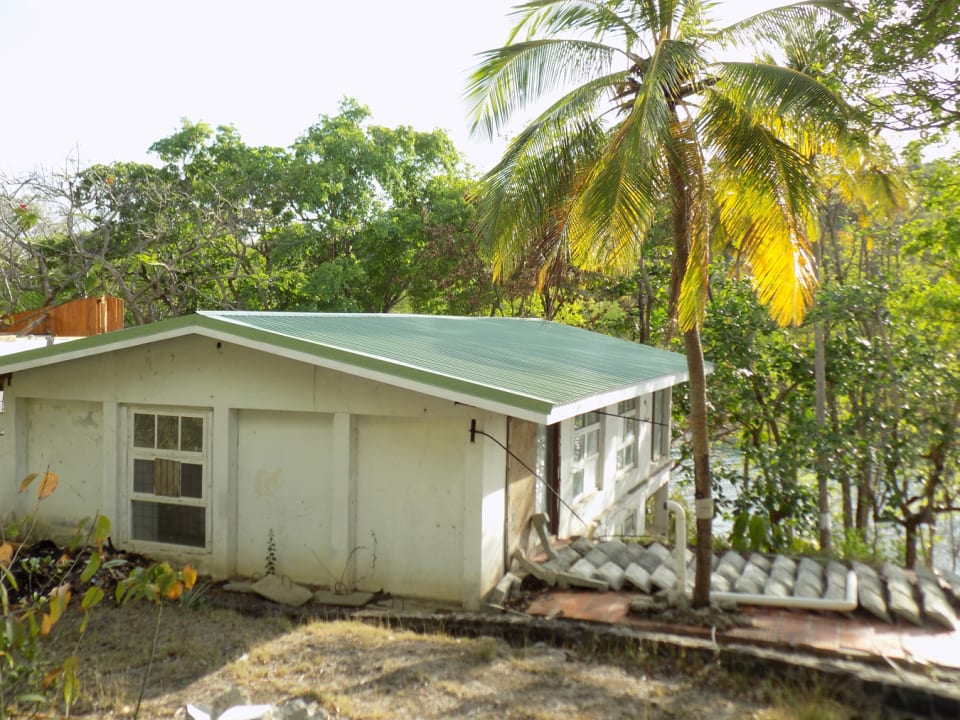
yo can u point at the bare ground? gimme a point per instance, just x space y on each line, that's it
357 670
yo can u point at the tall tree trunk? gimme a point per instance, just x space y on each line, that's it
698 391
822 463
910 541
701 465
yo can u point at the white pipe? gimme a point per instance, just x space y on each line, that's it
847 604
680 541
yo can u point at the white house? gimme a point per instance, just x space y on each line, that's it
370 447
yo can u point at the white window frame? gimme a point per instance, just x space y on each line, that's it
661 419
585 471
628 414
201 457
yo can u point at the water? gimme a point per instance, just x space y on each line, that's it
946 546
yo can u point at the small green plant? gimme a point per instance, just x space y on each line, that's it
270 562
30 610
340 585
158 584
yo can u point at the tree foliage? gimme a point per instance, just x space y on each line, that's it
350 217
904 58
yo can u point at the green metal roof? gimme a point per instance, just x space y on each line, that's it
530 368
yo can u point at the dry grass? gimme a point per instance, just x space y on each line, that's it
361 671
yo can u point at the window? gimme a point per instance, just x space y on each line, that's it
660 445
586 452
627 447
168 475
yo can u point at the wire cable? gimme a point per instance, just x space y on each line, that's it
474 431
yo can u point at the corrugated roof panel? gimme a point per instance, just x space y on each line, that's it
549 361
539 370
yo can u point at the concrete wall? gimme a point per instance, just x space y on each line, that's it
320 457
410 505
78 464
285 466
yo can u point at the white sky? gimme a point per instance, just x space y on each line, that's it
101 80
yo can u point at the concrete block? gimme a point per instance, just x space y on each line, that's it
939 612
783 564
567 556
650 561
281 590
783 577
775 588
936 607
583 568
835 567
728 571
760 561
541 572
664 578
951 582
871 600
866 574
810 566
870 592
582 545
732 557
659 550
903 605
836 588
807 588
616 550
635 551
751 581
570 580
541 524
639 578
597 557
501 593
612 574
810 578
718 583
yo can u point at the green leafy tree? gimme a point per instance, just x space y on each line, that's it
903 59
348 218
643 104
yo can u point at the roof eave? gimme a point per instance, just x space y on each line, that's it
457 390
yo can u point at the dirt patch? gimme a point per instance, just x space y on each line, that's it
379 668
377 671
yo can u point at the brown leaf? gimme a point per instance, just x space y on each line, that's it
189 576
175 591
25 483
47 485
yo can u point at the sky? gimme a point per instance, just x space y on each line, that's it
91 81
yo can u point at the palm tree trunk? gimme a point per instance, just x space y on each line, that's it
701 465
682 208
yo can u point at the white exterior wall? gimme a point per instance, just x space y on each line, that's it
285 462
78 465
318 456
410 505
619 494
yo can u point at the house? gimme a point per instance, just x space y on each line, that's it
369 451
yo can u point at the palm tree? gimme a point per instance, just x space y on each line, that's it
637 107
